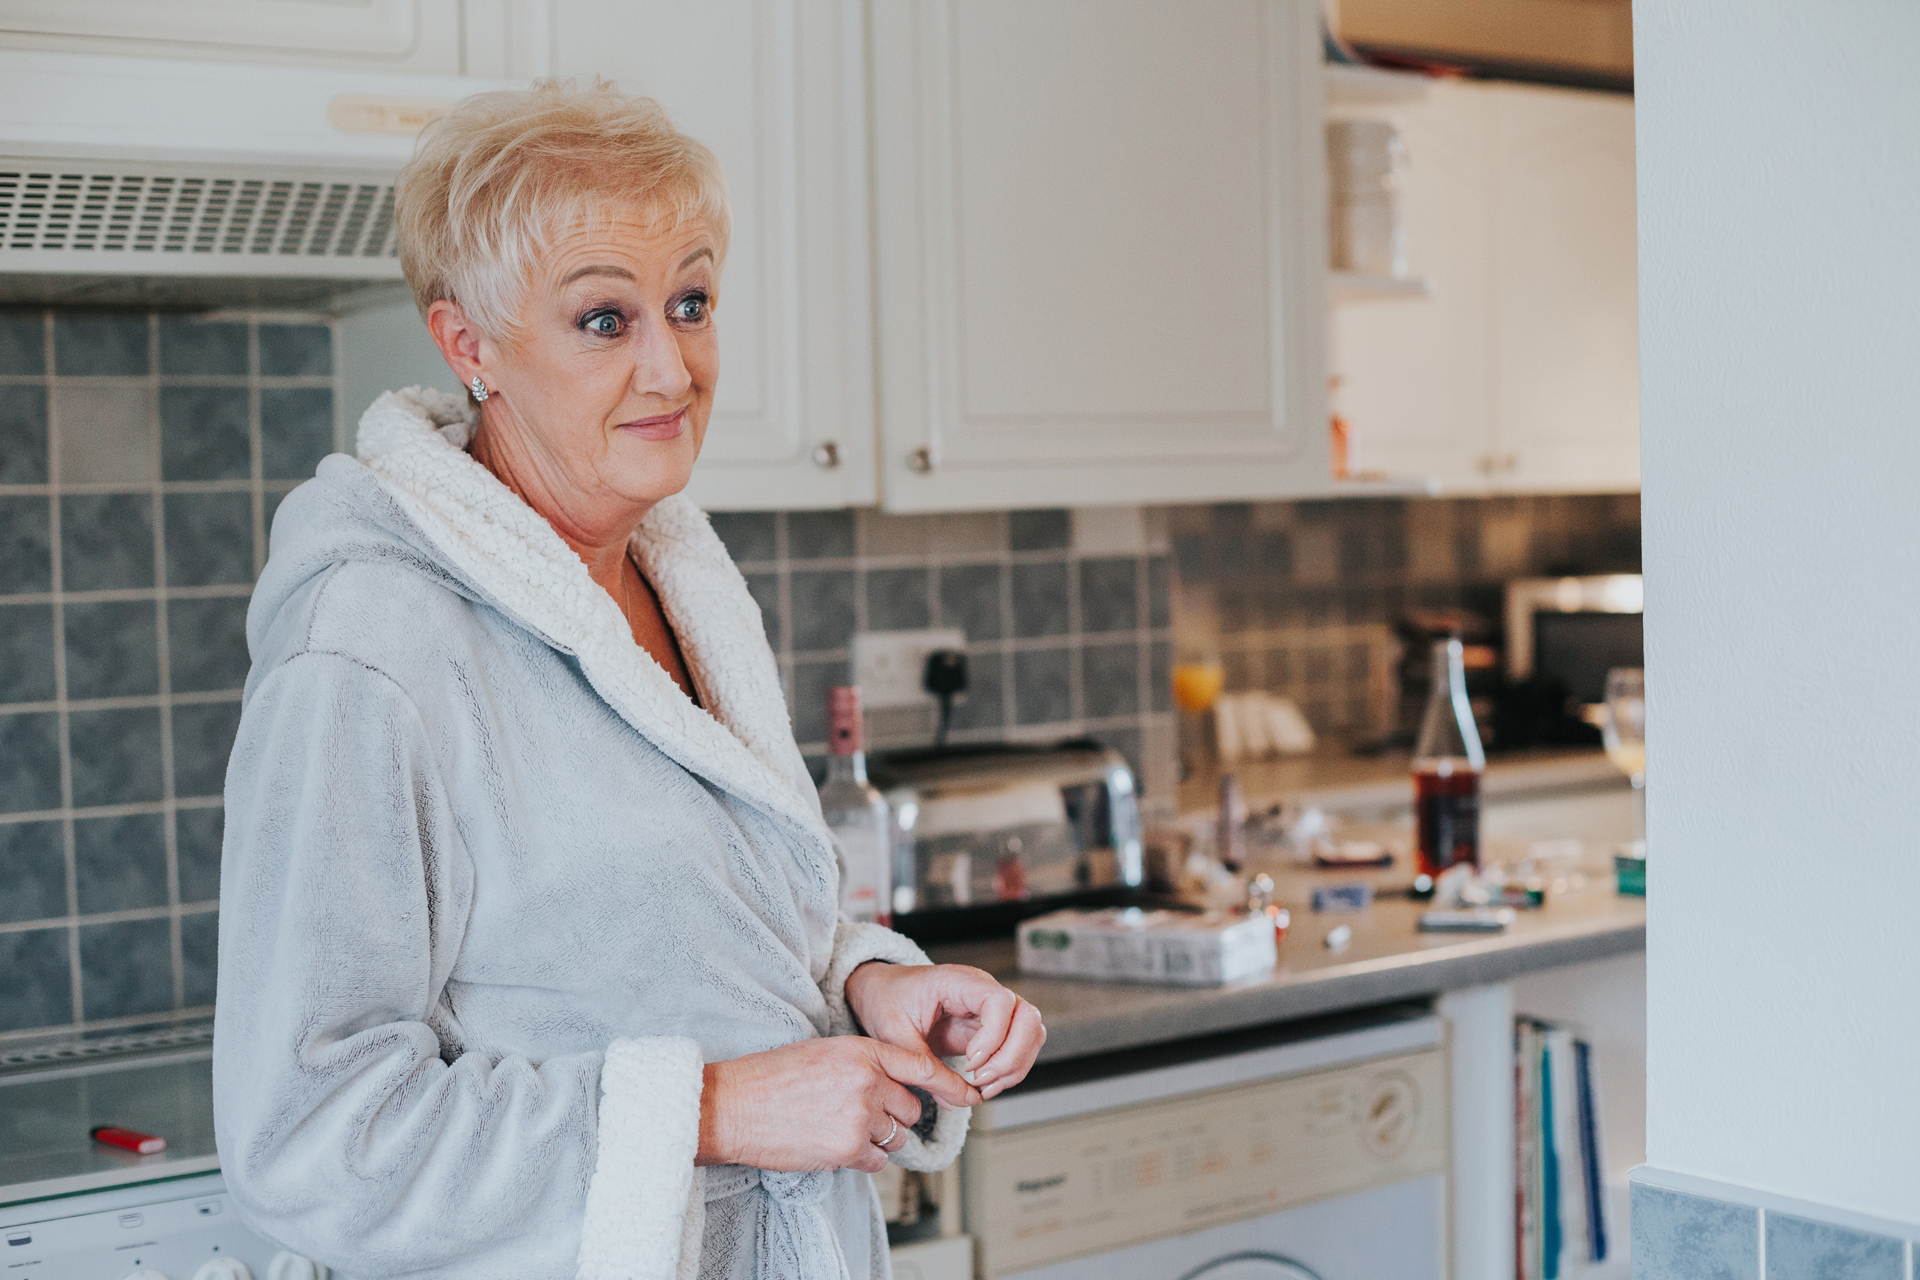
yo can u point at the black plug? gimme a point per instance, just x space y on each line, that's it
945 679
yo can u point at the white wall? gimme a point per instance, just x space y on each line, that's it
1779 181
384 346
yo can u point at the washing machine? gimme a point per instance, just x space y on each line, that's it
1316 1152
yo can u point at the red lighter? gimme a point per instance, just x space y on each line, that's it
114 1136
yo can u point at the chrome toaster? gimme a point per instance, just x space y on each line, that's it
985 836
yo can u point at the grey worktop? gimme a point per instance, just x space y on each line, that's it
45 1116
1387 959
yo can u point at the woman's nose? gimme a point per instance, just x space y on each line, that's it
659 370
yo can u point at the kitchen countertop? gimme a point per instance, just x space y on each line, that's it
1333 780
45 1149
1575 799
1388 959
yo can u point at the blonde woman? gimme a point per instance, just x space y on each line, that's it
530 958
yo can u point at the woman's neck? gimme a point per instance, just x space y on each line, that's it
599 538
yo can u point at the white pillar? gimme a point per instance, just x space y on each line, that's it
1481 1050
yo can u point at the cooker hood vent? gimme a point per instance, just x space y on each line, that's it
195 220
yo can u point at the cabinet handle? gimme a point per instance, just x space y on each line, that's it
826 455
920 460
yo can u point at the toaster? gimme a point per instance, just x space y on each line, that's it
987 836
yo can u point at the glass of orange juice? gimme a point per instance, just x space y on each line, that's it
1197 681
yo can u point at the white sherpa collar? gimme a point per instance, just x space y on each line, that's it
415 442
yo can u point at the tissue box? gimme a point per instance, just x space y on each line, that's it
1128 944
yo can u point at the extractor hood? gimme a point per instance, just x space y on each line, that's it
165 182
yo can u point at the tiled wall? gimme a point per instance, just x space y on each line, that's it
1301 597
1735 1233
141 458
1059 641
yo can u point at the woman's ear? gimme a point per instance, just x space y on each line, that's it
461 344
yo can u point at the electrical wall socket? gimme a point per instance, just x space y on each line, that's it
890 665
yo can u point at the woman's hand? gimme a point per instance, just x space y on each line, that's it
950 1010
819 1104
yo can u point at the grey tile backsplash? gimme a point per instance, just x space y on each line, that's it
1058 642
142 457
1300 597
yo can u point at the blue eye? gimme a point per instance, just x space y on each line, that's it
605 323
691 309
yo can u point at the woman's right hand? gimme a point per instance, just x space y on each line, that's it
819 1104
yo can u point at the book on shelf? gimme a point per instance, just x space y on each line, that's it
1560 1219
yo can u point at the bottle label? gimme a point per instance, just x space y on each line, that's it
843 720
1447 811
863 873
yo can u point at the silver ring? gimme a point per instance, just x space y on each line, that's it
882 1144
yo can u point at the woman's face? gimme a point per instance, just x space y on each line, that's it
606 389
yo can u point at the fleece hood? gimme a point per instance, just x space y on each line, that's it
416 498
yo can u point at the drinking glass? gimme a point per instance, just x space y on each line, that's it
1623 728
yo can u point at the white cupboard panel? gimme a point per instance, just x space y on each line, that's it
1520 372
773 87
1099 270
410 35
1417 382
1567 341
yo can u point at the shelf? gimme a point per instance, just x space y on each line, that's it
1347 286
1371 86
1385 486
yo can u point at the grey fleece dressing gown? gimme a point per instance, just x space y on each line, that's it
494 890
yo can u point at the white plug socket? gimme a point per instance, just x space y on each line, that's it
890 666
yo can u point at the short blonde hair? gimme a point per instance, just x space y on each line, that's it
501 171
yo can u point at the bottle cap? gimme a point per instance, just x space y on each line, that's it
843 720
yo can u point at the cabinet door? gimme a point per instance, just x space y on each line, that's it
775 88
388 35
1566 342
1417 383
1100 256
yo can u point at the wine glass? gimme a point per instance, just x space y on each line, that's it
1623 728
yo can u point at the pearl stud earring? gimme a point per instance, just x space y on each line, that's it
479 388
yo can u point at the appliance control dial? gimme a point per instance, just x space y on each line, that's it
223 1269
291 1266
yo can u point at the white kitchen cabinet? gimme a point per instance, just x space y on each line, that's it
389 35
1100 251
776 88
1520 372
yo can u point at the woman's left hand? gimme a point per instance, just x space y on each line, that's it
951 1010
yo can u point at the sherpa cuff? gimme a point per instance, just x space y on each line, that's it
929 1147
643 1178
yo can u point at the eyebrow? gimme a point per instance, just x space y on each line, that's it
621 272
624 274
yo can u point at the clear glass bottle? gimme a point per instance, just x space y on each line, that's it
856 813
1447 764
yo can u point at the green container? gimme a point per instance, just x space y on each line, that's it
1631 874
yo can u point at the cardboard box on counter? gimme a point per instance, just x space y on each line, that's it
1128 944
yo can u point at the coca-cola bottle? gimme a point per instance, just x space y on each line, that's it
1447 764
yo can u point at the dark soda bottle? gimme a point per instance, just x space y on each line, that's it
1447 764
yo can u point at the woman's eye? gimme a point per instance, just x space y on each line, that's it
605 323
691 309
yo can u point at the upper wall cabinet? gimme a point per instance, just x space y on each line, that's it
392 35
1100 251
775 88
1520 373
